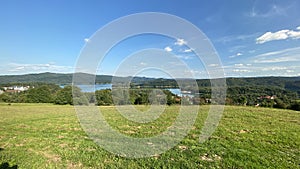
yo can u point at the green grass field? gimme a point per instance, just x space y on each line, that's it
50 136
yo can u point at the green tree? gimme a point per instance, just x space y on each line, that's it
295 106
121 96
170 97
80 100
104 97
90 97
64 96
41 94
78 97
279 104
6 97
142 97
243 100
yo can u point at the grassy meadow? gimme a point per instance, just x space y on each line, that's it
50 136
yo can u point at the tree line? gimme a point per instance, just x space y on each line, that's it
51 93
274 97
40 93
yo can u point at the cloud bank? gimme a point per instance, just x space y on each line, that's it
279 35
20 68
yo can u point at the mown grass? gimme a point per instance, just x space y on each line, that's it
50 136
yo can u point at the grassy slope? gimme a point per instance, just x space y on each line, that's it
48 136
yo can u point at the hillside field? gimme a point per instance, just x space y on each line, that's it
50 136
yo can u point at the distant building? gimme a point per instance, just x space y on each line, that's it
12 91
267 97
21 88
8 88
15 89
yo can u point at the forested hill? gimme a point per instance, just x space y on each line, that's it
63 79
55 78
42 77
288 83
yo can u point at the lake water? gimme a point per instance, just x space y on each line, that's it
90 88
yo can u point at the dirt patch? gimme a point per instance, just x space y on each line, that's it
63 145
243 131
129 132
60 136
49 156
182 147
72 165
210 158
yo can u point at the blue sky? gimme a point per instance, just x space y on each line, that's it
252 37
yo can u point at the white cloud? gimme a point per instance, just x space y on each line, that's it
283 62
199 73
239 65
274 68
213 65
37 68
188 50
241 70
236 55
279 35
276 60
269 36
298 27
258 69
168 49
237 48
271 53
271 11
86 40
143 64
180 42
19 68
231 38
185 57
285 55
294 34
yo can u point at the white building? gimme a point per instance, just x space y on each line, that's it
20 88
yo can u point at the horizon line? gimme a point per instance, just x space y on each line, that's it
66 73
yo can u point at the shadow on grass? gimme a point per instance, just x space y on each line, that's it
6 165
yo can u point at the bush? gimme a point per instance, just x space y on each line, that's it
280 104
103 97
295 106
65 96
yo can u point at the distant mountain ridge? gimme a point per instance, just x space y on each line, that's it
47 77
287 83
63 78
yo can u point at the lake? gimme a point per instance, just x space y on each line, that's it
90 88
